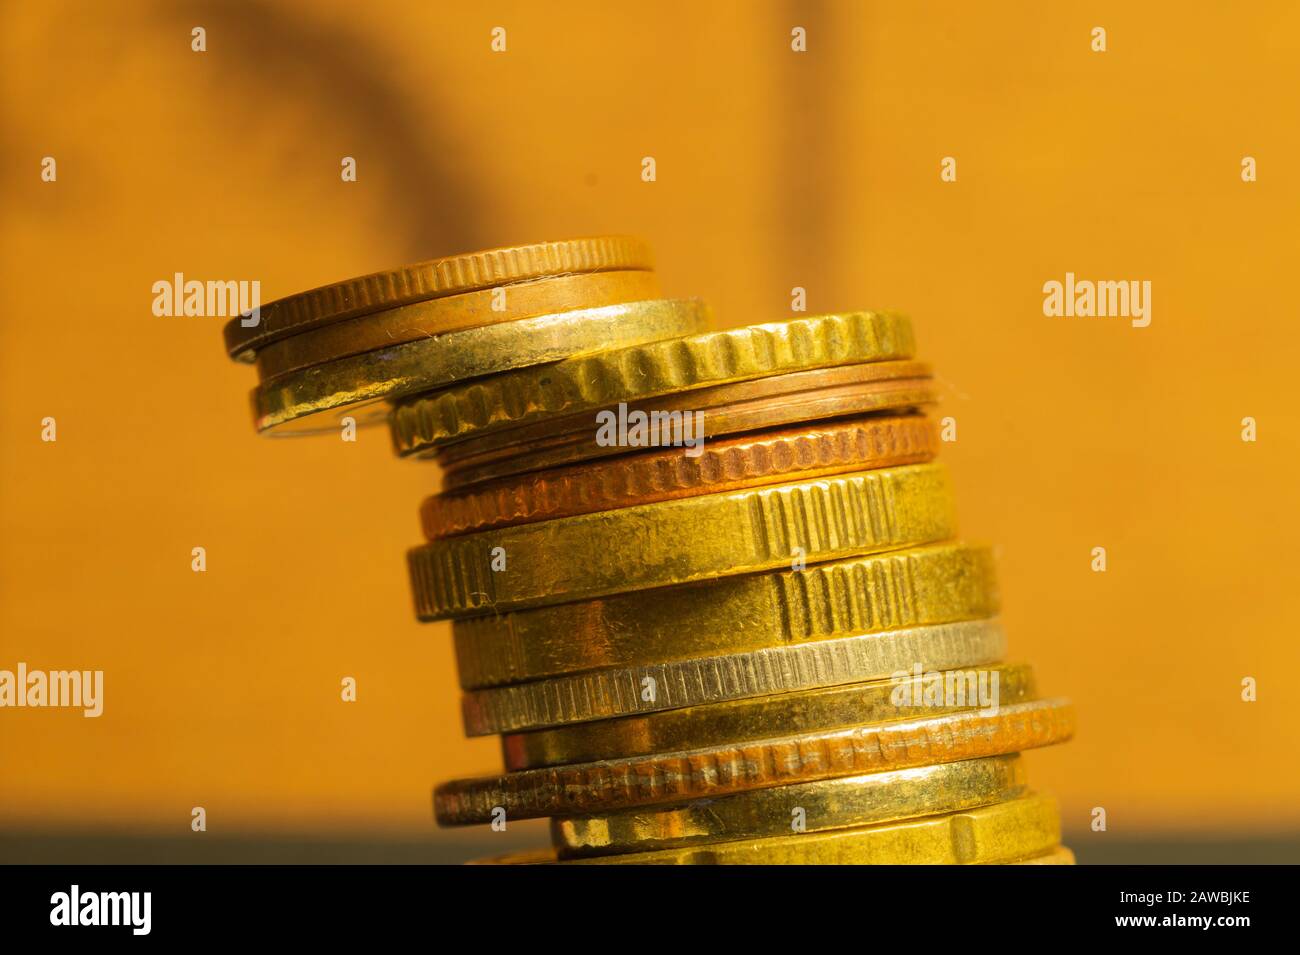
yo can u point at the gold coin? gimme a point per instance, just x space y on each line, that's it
1015 832
739 721
441 316
673 542
313 400
638 372
798 808
852 444
432 279
606 694
940 583
717 771
762 405
1058 856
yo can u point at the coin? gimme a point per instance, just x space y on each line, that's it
871 387
1058 856
717 771
432 279
673 542
452 313
799 807
731 464
939 583
606 694
643 371
1020 831
737 721
313 400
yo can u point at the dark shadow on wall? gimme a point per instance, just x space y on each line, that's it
339 79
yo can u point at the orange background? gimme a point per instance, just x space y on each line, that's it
775 170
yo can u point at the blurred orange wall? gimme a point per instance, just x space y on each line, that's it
775 169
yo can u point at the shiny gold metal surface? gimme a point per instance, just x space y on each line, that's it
738 721
778 401
606 694
1020 831
770 457
1058 856
431 279
673 542
453 313
313 400
717 771
797 808
638 372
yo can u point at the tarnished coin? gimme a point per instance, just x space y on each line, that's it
606 694
678 541
638 372
718 412
992 730
1017 832
739 721
938 583
752 460
797 808
313 400
454 313
431 279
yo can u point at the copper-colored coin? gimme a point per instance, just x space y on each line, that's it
759 764
432 279
770 457
451 313
720 403
779 401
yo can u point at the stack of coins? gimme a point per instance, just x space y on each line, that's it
339 353
705 584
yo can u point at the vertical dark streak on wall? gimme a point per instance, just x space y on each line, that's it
806 133
338 77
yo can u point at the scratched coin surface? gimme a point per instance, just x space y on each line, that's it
770 457
678 541
454 313
990 730
606 694
637 372
796 808
753 718
313 400
939 583
431 279
735 408
1020 831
